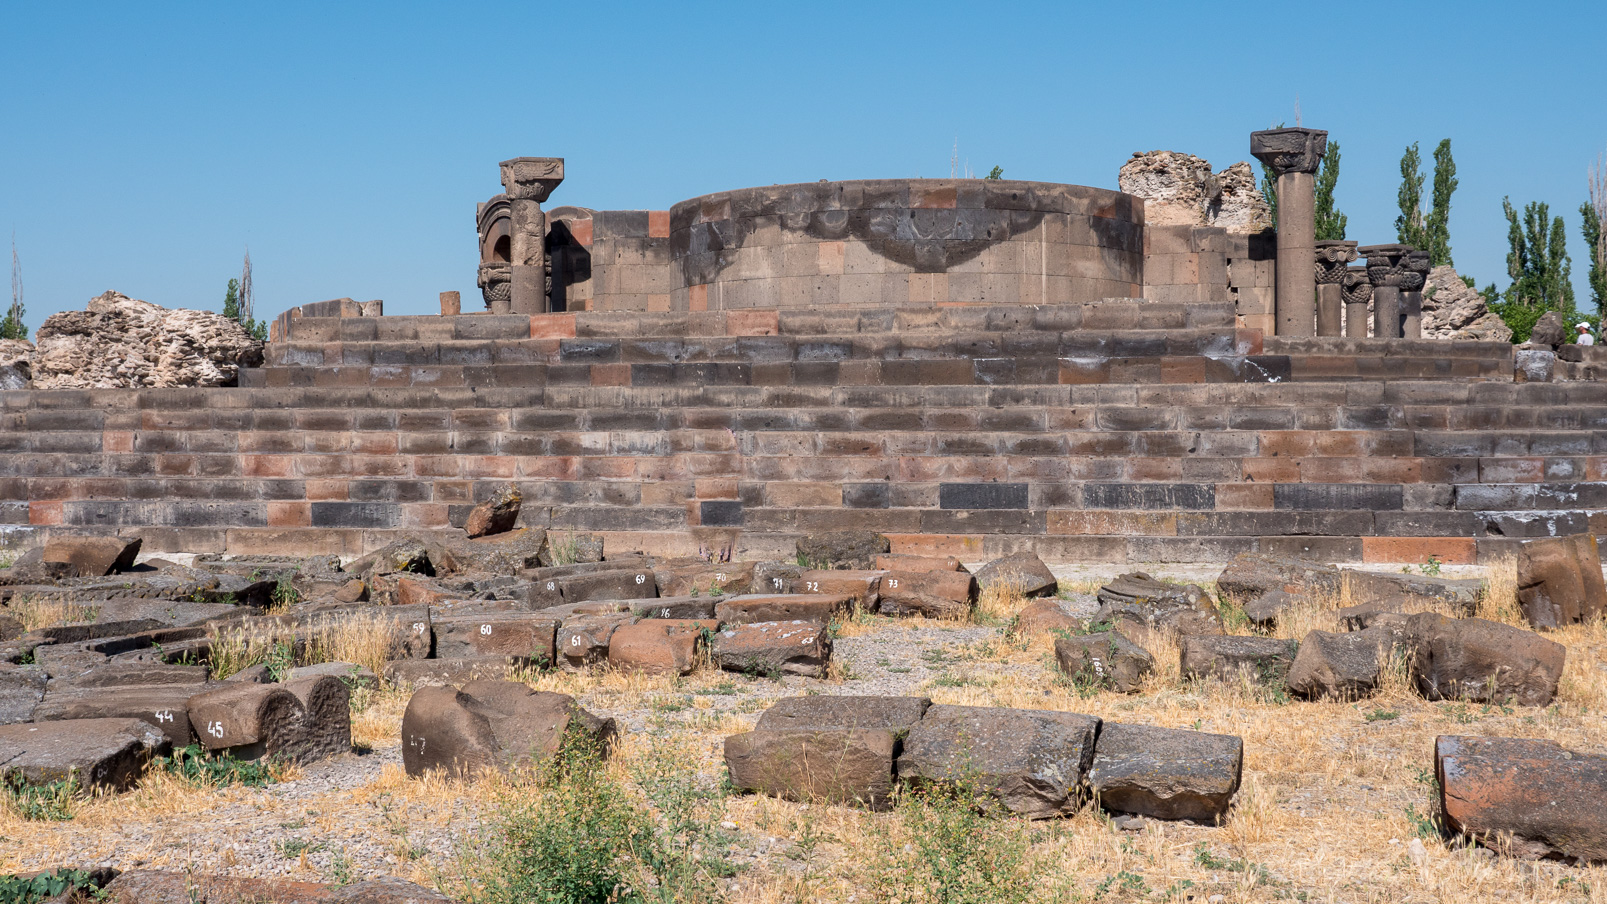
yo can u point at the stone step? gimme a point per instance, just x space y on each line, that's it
1108 314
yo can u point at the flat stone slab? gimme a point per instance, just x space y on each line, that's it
895 714
846 766
1031 761
1526 798
110 753
1166 773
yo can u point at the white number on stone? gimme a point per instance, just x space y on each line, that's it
808 640
164 716
418 627
893 584
485 629
813 586
641 579
574 641
777 582
665 612
215 729
552 585
719 577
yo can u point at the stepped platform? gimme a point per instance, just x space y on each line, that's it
1112 431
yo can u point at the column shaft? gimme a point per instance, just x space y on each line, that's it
1386 312
1297 239
1330 309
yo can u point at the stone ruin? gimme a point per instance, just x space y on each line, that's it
947 370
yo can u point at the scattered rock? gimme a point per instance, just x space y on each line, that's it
814 607
1107 659
495 515
1250 575
121 342
1343 666
1483 661
1549 331
1409 592
21 689
657 646
847 766
1525 798
567 549
1149 604
491 725
1560 581
935 594
583 641
1024 570
1263 611
521 636
92 556
109 753
1166 773
1256 660
1041 616
773 648
1031 761
16 363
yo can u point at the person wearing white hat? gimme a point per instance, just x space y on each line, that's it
1584 337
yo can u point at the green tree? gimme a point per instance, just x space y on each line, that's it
1593 213
231 301
1409 225
1437 227
996 173
1537 260
11 326
1330 222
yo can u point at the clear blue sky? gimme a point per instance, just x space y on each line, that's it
143 147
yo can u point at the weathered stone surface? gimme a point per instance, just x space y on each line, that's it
92 556
1166 773
775 647
1401 592
1180 190
21 689
851 549
491 725
583 641
525 636
1184 608
1031 761
727 579
895 714
495 515
845 765
1345 666
1252 574
1560 580
863 588
1527 798
1024 570
569 549
676 607
918 563
110 753
774 577
164 707
1106 659
750 608
656 646
349 674
16 364
251 721
1263 611
121 342
1259 660
1483 661
1454 310
934 594
1044 615
326 718
441 672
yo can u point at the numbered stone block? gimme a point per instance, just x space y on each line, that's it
842 766
658 646
773 577
1526 798
492 725
698 608
1031 761
521 636
102 753
257 721
583 641
918 563
1107 659
934 594
609 585
1166 773
773 648
729 579
326 719
164 707
751 608
862 587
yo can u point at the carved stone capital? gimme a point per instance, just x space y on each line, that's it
1416 266
1289 150
495 282
1357 288
1332 256
532 178
1386 264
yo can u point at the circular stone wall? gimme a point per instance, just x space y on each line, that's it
906 241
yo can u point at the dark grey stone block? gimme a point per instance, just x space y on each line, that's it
1149 496
982 496
721 513
1328 496
355 514
855 495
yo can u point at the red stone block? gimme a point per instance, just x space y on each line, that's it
117 441
388 466
375 443
43 512
1243 496
438 466
324 490
658 224
552 467
552 326
483 466
697 298
715 488
752 323
268 465
1271 470
289 514
610 375
1450 550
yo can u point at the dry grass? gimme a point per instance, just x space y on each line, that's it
1000 602
367 638
50 613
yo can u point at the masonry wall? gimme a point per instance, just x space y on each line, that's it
1201 264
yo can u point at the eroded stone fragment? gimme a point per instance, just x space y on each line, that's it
1031 761
773 648
1526 798
1166 773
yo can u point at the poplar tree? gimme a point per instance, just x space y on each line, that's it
1593 213
1437 228
11 326
1330 222
1537 260
1409 225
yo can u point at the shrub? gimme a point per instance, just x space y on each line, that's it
48 802
43 887
954 846
196 766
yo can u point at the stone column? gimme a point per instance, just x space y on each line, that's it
1417 266
1332 256
528 181
1386 272
1293 156
1358 291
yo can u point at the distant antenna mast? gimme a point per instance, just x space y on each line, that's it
1297 111
954 160
246 315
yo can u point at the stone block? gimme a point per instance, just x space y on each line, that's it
982 496
1166 773
815 607
1346 666
515 636
1560 581
842 766
657 646
1023 569
492 725
102 753
773 648
1483 661
934 594
895 714
1107 659
1256 660
1031 761
1526 798
583 640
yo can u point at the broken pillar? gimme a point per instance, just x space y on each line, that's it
1358 292
1332 256
1416 267
1387 272
529 181
1293 156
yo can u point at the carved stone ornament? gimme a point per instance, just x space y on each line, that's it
1386 264
1416 266
1356 286
1289 150
495 282
1332 256
532 178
